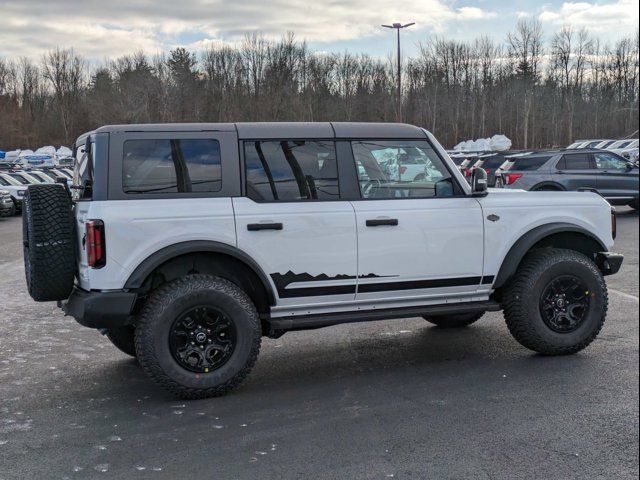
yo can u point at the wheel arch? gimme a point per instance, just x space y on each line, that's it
203 256
557 235
548 183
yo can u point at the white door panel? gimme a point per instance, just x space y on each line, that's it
436 248
317 241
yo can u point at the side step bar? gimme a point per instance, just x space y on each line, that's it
318 321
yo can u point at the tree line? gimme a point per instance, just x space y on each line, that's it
540 93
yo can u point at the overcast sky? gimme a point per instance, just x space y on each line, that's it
100 29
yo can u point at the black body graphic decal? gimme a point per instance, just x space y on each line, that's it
283 280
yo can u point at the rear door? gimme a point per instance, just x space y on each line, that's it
418 239
293 222
577 170
616 181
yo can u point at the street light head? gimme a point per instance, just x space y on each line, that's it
387 26
397 25
408 24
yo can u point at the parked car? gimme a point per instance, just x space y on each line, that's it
24 178
615 178
15 188
192 242
581 144
620 145
491 163
7 207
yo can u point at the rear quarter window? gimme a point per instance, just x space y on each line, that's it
525 163
171 166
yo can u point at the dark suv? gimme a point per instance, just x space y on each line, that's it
611 175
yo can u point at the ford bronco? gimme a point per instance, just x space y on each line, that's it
187 243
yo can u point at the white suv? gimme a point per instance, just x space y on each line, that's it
187 243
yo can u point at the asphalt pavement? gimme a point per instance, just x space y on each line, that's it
390 399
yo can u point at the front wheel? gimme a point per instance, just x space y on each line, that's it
557 302
198 336
454 321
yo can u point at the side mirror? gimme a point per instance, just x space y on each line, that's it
479 182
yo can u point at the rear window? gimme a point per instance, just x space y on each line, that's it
491 163
574 162
291 170
525 163
171 166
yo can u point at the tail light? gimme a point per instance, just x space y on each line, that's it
402 170
95 244
466 172
614 223
511 178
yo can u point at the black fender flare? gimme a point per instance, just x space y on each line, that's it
153 261
548 183
525 242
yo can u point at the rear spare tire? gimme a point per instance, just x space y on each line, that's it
48 242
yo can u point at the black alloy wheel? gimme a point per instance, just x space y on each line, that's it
202 339
564 303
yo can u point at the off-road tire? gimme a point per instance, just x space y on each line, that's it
522 296
48 242
165 304
123 338
454 321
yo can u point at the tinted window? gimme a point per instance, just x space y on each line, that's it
19 178
3 182
574 162
170 166
287 170
525 163
607 161
388 169
491 163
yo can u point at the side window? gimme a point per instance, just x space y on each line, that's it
400 169
606 161
289 170
171 166
575 162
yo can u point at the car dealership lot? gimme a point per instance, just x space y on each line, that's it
390 399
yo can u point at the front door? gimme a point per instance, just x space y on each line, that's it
617 181
578 171
417 239
294 224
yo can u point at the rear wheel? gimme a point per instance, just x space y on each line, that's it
124 339
547 188
454 321
198 336
557 302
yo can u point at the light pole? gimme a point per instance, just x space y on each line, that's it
397 27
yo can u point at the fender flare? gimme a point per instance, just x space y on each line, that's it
519 249
153 261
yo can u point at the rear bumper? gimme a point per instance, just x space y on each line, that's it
608 262
99 309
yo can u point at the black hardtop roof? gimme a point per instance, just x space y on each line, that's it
277 130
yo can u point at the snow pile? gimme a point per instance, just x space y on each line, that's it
48 150
497 143
63 152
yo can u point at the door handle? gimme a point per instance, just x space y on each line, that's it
254 227
377 222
